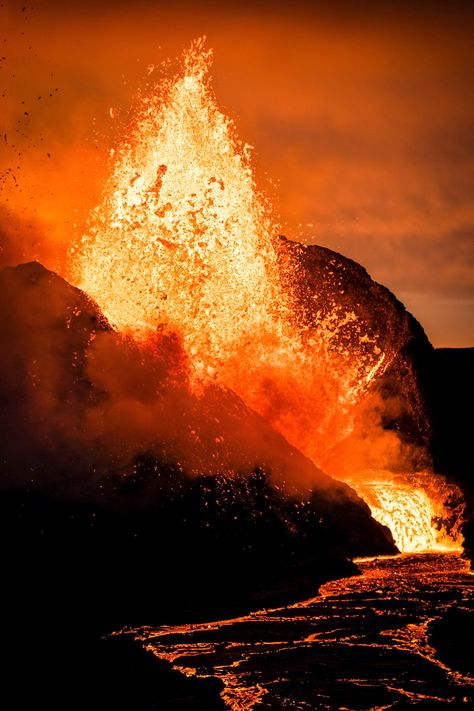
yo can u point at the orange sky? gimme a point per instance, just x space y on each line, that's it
363 119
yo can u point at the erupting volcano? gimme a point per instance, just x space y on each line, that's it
203 419
184 242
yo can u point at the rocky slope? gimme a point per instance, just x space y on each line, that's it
327 282
423 395
111 512
102 446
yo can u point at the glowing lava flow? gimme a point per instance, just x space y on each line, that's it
362 643
418 522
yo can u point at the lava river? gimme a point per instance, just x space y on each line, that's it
362 643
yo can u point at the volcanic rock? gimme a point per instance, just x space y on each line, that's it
101 482
431 388
449 389
451 635
324 282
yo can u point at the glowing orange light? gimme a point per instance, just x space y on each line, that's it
416 519
183 238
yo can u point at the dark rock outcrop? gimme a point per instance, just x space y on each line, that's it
72 667
451 636
449 389
325 282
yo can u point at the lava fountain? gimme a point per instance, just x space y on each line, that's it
183 240
182 237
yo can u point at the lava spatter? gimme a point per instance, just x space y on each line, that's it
419 522
182 236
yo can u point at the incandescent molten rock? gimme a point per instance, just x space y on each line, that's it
118 473
449 391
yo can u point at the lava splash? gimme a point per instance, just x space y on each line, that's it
424 512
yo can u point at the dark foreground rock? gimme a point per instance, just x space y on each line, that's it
74 572
106 519
214 546
452 636
449 387
73 667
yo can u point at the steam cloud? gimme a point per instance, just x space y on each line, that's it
78 397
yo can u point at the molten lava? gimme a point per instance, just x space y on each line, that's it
182 237
419 522
183 240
